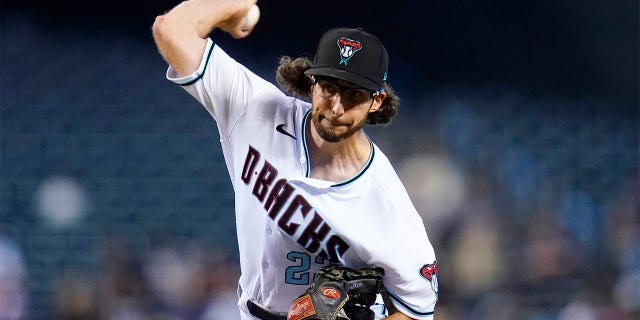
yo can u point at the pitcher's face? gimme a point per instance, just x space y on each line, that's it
339 108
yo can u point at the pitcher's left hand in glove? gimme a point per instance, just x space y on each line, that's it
339 293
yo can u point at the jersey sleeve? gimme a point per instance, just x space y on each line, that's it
409 261
400 244
222 85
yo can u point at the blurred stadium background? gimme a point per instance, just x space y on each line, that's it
517 139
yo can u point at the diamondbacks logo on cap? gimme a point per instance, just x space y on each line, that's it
348 48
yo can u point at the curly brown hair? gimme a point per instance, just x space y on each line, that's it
292 80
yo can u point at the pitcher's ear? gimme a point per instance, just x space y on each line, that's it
378 98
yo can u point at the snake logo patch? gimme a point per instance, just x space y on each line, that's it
429 272
348 48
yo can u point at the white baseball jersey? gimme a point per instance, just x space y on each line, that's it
290 225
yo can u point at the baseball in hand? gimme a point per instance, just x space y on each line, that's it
252 17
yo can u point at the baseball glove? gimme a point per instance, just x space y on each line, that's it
339 293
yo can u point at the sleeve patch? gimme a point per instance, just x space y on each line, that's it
429 272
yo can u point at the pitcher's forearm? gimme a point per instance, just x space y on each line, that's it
180 34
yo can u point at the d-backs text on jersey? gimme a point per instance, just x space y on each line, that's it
316 237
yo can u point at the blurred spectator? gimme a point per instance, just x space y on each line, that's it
13 277
437 189
122 289
624 237
74 297
170 271
190 281
548 267
168 281
220 272
591 305
548 252
497 305
477 261
626 294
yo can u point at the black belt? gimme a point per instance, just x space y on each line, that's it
262 313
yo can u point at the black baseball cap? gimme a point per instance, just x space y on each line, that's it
353 55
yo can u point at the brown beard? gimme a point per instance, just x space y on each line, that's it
330 134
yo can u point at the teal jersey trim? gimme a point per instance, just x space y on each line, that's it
306 153
406 307
201 74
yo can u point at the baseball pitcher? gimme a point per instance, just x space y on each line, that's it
325 227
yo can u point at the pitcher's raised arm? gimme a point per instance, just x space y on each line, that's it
180 34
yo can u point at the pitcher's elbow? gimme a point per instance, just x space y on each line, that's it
159 27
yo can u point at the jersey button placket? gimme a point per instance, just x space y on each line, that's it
303 164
